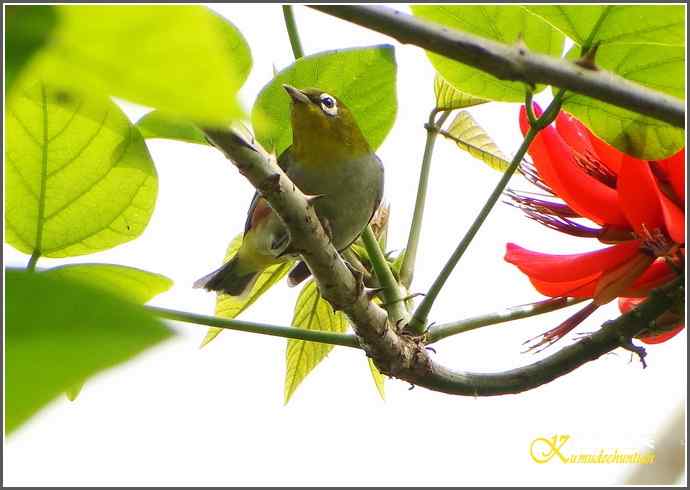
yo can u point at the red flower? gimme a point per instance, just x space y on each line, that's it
636 206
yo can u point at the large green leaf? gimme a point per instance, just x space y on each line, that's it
79 176
471 137
136 285
500 23
363 78
449 98
231 306
656 66
184 60
59 332
312 312
157 124
643 43
630 24
27 29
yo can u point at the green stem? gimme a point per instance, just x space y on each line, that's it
31 266
418 321
394 301
407 267
438 332
292 31
333 338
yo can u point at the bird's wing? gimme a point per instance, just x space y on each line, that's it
259 207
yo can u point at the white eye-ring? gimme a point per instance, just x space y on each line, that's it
328 104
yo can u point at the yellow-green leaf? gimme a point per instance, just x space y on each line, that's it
312 313
134 284
378 378
79 176
182 59
157 124
449 98
73 391
231 306
59 332
502 23
472 138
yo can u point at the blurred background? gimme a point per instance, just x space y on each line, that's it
180 415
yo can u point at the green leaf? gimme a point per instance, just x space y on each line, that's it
136 285
28 28
157 124
73 391
643 43
471 137
658 67
79 176
183 60
363 78
312 313
631 24
378 378
231 306
449 98
55 336
500 23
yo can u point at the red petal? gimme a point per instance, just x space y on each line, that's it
563 268
674 218
638 195
554 161
656 274
663 337
674 167
627 304
582 288
574 133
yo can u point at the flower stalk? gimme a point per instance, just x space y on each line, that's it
418 321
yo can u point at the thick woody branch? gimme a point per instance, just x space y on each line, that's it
513 63
397 354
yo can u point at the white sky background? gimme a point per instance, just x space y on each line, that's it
178 415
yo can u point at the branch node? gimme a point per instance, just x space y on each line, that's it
627 344
587 60
520 44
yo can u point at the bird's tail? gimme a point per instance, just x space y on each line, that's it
229 279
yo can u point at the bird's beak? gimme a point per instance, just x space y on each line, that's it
295 94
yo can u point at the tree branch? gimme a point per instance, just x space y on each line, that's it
399 355
333 338
513 62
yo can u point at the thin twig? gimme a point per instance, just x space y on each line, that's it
418 320
407 267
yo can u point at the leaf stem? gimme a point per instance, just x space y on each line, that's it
333 338
438 332
292 31
394 301
407 267
418 321
31 266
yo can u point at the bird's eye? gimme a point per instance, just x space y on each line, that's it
328 105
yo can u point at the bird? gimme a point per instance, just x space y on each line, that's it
329 159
